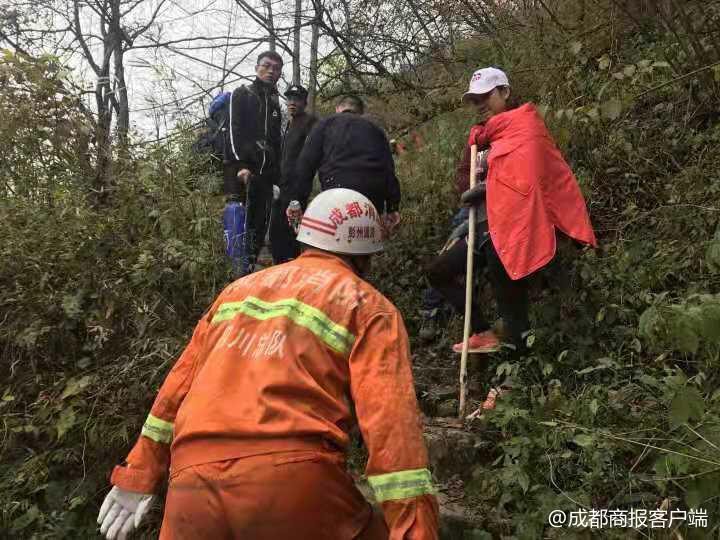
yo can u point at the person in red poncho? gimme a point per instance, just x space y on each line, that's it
525 193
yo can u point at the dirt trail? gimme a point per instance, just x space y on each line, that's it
458 451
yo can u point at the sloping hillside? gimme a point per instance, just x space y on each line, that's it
618 405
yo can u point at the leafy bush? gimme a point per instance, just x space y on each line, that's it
44 136
618 404
95 306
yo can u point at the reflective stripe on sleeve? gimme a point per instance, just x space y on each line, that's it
402 484
335 336
158 430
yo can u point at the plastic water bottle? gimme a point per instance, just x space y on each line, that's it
294 206
234 230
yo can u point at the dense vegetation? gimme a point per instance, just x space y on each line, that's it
619 404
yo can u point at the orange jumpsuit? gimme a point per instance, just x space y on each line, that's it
253 419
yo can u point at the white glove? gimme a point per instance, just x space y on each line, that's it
276 192
122 511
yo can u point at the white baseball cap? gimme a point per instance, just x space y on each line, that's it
484 80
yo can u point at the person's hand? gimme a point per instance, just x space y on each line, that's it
122 512
478 135
244 175
474 196
294 215
390 222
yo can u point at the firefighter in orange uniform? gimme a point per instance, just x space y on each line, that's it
253 420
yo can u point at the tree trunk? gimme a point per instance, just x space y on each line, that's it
271 25
312 83
347 82
101 184
296 42
227 47
123 112
120 96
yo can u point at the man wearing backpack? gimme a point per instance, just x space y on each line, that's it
252 149
283 245
212 139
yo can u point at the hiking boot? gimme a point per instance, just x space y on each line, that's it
484 342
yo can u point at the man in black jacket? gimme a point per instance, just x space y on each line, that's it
251 162
349 151
283 245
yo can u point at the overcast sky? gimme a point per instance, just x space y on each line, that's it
165 85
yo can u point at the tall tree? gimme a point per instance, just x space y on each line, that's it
110 18
272 40
313 78
296 42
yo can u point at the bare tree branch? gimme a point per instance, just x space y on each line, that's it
81 39
150 22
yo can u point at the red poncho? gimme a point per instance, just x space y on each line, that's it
531 191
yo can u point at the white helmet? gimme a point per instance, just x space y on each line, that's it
342 221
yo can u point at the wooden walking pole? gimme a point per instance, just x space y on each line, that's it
468 287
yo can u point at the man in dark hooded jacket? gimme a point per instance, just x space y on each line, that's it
251 162
283 245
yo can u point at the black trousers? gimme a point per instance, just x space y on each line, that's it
283 245
511 296
232 187
258 195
